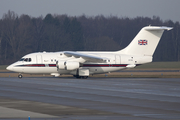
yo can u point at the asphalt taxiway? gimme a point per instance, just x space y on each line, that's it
92 98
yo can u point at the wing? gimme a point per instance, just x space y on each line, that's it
87 57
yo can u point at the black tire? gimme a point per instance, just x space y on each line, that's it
84 77
78 77
20 76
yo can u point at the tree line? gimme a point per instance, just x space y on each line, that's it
20 35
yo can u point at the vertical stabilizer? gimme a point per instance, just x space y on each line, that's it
145 41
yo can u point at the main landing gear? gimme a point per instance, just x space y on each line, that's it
83 77
20 76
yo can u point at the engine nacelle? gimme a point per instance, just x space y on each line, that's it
67 65
70 65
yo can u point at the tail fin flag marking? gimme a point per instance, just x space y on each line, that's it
142 42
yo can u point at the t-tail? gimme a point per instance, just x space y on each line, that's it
145 42
142 47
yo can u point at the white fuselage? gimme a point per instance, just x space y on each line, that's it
45 63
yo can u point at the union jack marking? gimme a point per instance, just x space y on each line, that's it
142 42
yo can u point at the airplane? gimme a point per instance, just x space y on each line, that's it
81 64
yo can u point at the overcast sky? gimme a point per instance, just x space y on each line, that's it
165 9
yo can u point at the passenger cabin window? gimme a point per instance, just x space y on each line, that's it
26 59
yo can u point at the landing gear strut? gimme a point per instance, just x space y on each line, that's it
20 76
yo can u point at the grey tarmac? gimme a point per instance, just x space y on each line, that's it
48 98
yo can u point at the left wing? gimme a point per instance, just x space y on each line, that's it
87 57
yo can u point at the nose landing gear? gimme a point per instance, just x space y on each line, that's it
20 76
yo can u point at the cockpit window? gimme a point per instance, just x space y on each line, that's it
22 59
29 59
26 59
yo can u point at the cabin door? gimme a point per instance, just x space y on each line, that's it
39 59
118 59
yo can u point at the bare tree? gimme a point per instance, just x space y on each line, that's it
9 30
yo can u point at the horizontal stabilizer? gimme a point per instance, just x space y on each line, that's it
151 28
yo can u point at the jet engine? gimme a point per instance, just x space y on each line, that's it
67 65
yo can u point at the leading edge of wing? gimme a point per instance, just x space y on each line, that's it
87 57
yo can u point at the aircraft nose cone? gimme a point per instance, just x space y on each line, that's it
10 68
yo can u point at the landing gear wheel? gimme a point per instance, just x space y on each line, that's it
20 76
78 77
84 77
